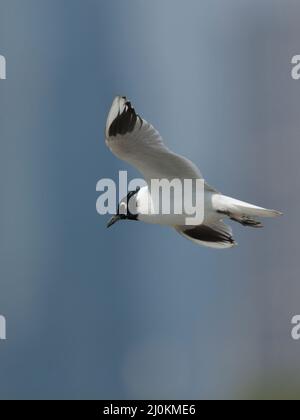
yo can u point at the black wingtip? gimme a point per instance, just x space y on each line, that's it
125 120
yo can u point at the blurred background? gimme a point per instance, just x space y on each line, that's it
137 312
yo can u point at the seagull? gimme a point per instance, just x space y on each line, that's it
134 140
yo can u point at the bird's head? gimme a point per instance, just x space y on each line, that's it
124 207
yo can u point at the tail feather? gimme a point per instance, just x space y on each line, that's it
247 221
241 211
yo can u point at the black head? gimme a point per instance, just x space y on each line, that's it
123 212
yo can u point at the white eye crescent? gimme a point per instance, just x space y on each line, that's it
123 208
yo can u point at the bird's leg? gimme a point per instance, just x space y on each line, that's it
243 220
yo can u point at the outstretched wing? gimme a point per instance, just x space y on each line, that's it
213 235
134 140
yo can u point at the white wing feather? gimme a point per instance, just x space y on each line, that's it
135 141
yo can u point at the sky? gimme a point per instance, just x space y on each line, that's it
138 312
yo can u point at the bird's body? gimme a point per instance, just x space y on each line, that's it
145 209
134 140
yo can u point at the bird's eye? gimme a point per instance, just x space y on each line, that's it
123 208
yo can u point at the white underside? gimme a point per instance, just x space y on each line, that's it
216 208
146 211
214 205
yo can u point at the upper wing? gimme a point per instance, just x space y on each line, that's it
134 140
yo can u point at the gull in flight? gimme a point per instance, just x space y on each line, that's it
137 142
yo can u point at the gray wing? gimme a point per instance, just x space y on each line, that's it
137 142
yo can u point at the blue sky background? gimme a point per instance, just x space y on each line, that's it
137 311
